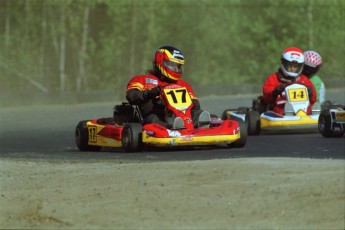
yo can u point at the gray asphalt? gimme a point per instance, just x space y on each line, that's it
47 132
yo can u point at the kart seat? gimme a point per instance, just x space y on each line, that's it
126 113
258 104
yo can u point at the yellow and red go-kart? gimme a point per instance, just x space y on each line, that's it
259 119
125 129
332 121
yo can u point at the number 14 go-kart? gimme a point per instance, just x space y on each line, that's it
260 118
125 129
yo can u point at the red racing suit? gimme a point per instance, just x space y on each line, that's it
275 80
135 95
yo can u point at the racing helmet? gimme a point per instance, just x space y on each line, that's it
292 62
312 63
168 63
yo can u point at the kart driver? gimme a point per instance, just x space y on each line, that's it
145 90
290 71
312 64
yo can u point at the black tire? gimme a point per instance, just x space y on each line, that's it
82 137
243 135
324 124
253 122
132 137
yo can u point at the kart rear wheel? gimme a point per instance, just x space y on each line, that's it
243 135
132 137
253 122
82 137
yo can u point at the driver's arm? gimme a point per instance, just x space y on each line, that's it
137 97
312 97
269 89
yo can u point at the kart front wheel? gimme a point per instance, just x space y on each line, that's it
82 138
325 125
132 137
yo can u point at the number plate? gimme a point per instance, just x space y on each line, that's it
340 116
92 133
298 94
178 97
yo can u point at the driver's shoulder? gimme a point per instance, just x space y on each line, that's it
182 83
304 80
145 78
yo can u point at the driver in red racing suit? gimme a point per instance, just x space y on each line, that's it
290 72
145 90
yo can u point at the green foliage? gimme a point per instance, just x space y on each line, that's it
224 41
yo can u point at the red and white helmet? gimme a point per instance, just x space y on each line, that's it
312 59
292 62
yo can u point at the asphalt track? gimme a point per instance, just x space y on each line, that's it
47 132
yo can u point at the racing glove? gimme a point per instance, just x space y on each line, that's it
151 93
310 92
278 90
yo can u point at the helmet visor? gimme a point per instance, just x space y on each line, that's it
292 67
173 66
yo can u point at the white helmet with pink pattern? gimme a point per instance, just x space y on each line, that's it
312 63
312 59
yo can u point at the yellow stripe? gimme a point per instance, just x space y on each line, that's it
107 142
165 73
193 97
302 121
136 85
171 58
191 140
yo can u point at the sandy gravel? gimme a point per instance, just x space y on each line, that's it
256 193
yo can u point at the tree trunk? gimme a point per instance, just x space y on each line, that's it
43 41
133 38
148 43
62 50
310 25
82 78
7 28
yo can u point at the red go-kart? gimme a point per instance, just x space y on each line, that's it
125 129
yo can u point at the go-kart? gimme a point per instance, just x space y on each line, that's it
332 121
260 119
125 129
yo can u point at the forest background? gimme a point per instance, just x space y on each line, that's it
62 47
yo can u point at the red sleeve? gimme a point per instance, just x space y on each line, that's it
270 84
137 82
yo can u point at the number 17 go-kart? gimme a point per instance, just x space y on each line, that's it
125 129
260 119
